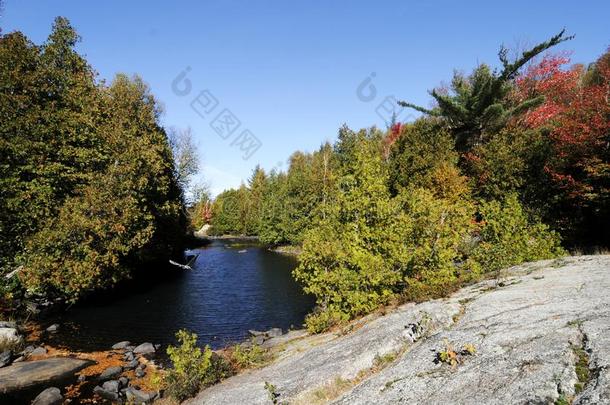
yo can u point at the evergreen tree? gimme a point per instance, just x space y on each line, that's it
477 107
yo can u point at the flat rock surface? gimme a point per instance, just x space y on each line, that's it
28 374
529 331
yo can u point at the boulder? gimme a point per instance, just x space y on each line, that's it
129 356
111 385
138 396
132 364
5 358
140 373
274 332
46 372
110 373
121 345
53 328
258 340
144 348
39 351
9 337
105 394
123 382
50 396
28 350
255 333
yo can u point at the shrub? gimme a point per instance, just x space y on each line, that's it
248 356
508 237
194 368
322 320
437 233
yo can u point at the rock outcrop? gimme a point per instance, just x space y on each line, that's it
539 335
29 374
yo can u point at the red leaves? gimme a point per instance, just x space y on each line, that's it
577 114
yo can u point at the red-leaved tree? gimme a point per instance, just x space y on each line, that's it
576 113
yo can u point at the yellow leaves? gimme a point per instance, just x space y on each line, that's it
452 357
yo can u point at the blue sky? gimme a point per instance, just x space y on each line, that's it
289 71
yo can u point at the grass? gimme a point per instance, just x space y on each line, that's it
583 373
10 344
331 390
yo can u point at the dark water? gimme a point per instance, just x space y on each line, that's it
229 292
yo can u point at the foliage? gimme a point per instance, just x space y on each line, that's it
193 368
272 392
583 373
228 212
322 320
186 161
436 237
200 211
451 356
87 176
352 258
575 115
248 356
420 149
477 105
509 237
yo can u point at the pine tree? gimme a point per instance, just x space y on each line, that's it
477 107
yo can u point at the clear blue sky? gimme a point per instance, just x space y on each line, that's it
289 71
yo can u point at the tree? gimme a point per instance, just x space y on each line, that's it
420 149
575 116
48 142
476 107
274 225
227 216
186 161
88 185
351 258
257 185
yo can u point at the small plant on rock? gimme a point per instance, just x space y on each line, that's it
248 356
194 368
452 357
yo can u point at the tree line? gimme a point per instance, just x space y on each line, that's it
89 187
510 165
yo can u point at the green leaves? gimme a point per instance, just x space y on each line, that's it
477 105
88 188
193 367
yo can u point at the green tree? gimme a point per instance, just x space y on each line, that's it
227 213
509 237
88 184
352 257
257 185
421 149
274 226
48 143
477 105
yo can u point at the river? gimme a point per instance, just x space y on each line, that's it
235 285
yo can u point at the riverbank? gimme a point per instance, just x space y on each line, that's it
290 250
32 367
537 335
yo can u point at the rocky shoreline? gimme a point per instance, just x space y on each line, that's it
34 372
537 335
48 375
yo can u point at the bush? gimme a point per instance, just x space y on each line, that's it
437 234
193 368
509 237
323 320
248 356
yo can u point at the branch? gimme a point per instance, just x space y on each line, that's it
417 108
510 69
